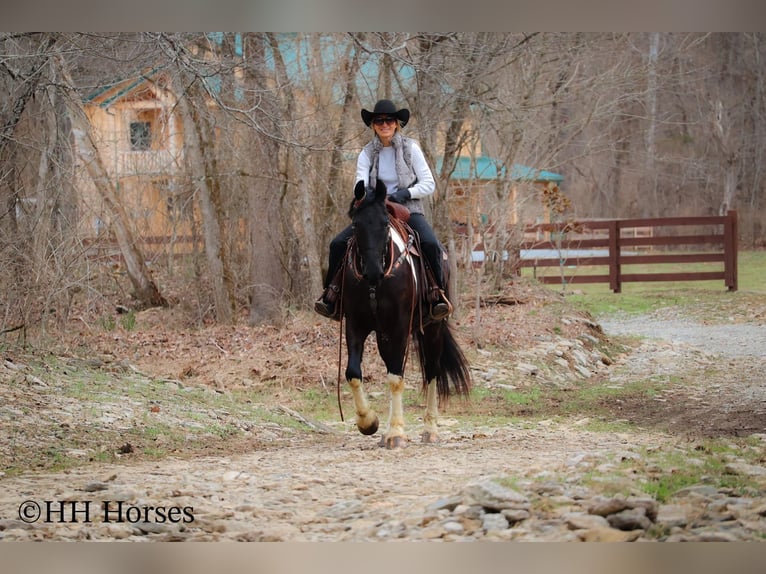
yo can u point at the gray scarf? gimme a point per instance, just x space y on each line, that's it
403 160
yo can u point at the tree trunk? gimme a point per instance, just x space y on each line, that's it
265 238
295 160
650 169
8 170
145 290
334 178
729 158
215 251
266 218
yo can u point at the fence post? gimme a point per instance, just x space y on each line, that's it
615 283
730 255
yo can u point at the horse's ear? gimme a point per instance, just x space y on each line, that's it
359 190
380 191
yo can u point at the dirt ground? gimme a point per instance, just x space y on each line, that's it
716 358
323 480
718 369
711 386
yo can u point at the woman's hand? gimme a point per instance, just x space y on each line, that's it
400 196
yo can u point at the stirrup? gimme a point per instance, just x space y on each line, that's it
440 311
326 309
442 308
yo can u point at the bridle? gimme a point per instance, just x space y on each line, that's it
388 249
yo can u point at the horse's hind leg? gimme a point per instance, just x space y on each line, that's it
430 434
366 419
395 437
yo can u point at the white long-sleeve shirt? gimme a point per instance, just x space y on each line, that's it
425 185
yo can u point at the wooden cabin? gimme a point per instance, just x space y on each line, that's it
140 140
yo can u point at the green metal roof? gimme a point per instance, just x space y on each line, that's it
487 168
103 99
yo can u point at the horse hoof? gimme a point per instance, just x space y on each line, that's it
429 437
368 430
394 442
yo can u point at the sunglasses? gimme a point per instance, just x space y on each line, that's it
381 121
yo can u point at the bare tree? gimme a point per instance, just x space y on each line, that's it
638 124
202 157
22 76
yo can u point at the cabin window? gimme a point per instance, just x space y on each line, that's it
140 136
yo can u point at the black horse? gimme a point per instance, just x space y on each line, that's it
382 292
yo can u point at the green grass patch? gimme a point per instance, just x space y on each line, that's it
644 297
664 473
591 399
703 464
590 396
512 397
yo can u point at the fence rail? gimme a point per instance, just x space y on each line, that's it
580 243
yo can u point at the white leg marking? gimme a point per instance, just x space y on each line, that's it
365 416
396 412
432 412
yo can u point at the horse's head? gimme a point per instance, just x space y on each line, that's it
369 219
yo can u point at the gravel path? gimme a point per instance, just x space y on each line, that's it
329 488
736 340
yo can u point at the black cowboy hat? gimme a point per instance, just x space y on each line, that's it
386 108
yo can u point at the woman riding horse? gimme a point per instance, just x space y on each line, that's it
381 293
399 163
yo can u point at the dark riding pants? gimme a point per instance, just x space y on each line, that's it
337 252
429 244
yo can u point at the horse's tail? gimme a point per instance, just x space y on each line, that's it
442 360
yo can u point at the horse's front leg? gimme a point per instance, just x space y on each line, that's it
430 418
395 437
392 350
366 419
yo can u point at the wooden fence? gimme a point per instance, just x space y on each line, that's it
578 244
